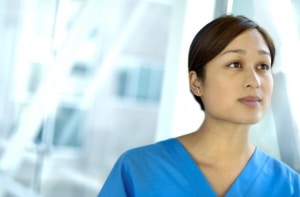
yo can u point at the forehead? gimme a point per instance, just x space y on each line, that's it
248 40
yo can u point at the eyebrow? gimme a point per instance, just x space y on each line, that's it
243 52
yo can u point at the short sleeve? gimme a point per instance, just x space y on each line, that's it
116 184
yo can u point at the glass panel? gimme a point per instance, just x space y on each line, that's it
81 83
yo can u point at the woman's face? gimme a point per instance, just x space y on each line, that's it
238 82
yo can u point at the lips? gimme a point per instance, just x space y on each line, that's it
251 101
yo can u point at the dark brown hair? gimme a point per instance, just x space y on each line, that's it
214 37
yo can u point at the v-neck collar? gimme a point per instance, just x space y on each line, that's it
199 182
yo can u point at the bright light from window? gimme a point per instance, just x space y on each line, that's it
285 19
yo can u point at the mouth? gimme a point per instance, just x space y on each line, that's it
251 101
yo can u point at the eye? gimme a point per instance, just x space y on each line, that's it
264 67
235 65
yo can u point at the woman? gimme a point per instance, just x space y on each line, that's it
230 76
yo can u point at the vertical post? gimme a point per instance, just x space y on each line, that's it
9 21
167 102
179 113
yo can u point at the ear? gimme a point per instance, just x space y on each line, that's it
195 84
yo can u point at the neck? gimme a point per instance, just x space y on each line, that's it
219 143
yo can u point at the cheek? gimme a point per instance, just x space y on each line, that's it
223 85
267 90
268 87
217 91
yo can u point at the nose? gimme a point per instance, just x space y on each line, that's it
252 79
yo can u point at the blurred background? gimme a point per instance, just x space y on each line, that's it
81 81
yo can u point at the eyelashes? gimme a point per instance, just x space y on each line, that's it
238 65
264 67
234 65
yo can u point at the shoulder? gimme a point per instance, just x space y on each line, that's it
272 177
148 154
135 167
275 165
147 164
279 172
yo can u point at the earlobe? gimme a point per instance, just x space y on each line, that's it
195 83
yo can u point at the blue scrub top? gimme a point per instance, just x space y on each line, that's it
166 169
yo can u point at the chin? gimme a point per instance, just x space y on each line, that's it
251 120
248 119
